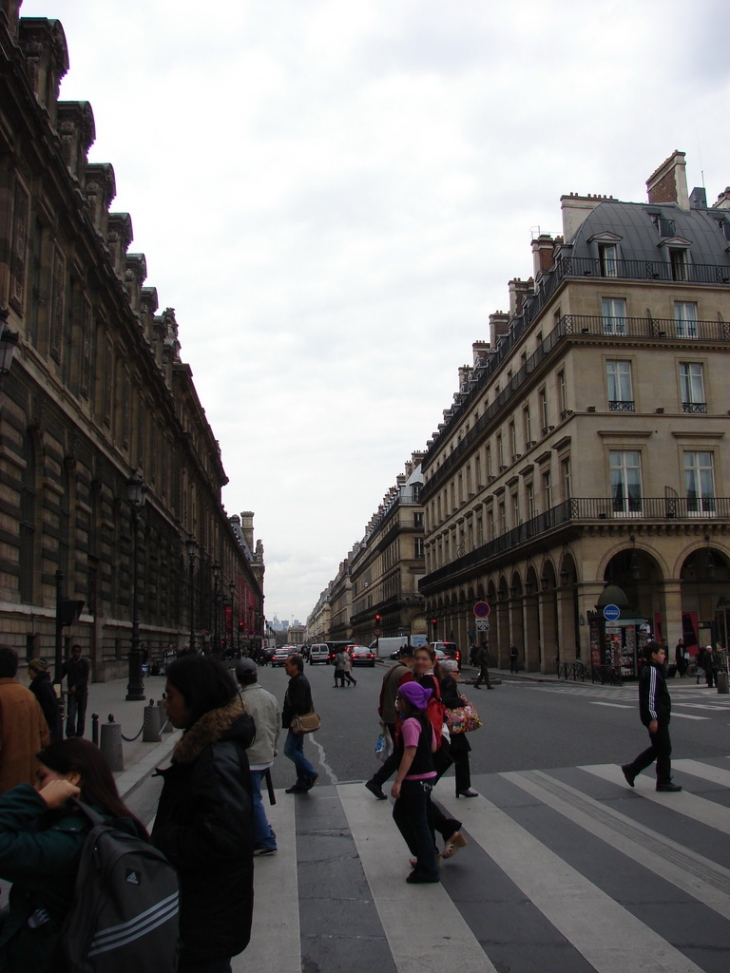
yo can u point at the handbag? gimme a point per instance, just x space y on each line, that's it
463 719
384 744
305 723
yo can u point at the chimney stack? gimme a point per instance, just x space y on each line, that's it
542 254
668 183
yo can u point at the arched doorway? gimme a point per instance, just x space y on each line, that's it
549 616
705 580
533 654
517 627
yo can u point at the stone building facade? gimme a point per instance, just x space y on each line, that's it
97 391
587 443
381 574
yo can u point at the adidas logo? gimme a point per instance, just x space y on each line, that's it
132 877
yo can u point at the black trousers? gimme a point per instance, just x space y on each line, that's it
483 676
410 813
462 771
661 751
439 821
76 716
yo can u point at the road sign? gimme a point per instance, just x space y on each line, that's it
481 609
378 633
611 613
482 625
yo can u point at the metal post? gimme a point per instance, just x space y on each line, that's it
135 687
192 602
59 627
95 728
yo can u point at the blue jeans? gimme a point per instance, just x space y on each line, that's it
263 834
294 750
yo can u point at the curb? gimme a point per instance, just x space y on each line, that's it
129 780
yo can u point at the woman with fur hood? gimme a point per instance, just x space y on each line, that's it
204 822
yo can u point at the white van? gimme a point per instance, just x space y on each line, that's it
386 648
319 652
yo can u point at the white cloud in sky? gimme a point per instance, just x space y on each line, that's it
333 196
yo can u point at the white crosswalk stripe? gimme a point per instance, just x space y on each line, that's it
549 846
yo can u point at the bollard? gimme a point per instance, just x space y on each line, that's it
166 725
722 682
152 729
110 745
95 729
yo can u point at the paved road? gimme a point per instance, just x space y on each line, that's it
567 870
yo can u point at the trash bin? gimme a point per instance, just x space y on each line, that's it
722 682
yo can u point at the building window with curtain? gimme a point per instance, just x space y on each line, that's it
685 319
692 387
620 392
625 466
613 312
699 482
608 257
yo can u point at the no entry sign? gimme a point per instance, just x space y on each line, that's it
481 609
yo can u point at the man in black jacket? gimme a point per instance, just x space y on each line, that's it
655 709
76 669
297 702
40 686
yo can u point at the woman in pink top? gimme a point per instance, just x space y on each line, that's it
414 781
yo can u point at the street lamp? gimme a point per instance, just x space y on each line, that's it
216 579
136 498
192 549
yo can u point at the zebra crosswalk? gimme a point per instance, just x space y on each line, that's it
566 871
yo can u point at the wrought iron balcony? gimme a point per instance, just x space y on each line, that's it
586 509
694 407
621 405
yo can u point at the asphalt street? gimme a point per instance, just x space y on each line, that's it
567 869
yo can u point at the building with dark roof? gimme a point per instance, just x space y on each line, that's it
586 443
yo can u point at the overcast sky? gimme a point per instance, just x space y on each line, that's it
333 194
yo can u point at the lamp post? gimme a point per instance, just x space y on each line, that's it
216 580
136 498
231 588
192 548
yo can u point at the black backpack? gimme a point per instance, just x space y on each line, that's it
124 915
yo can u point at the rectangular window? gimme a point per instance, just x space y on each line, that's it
530 500
547 491
685 319
489 460
478 471
699 482
502 518
608 257
418 521
490 525
625 468
19 248
618 379
527 424
678 263
500 453
692 387
513 440
543 411
565 470
562 394
613 312
419 547
516 519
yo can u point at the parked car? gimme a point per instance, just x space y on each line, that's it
319 652
280 655
361 655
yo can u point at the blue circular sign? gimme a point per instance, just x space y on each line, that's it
611 613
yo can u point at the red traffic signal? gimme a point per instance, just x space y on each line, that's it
377 619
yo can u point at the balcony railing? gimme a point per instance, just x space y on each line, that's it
587 509
620 405
570 326
694 407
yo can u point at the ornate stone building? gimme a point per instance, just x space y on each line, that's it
380 575
97 390
587 443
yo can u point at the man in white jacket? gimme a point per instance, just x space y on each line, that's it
264 710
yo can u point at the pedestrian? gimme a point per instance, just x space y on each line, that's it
710 665
339 669
414 782
348 670
40 686
23 727
483 663
681 657
263 709
41 837
389 716
473 649
297 702
459 743
655 709
204 821
76 672
514 660
426 673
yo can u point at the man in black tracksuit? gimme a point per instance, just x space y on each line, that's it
655 708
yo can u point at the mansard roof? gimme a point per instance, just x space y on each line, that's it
643 228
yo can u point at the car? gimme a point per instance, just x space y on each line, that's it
450 649
319 652
280 655
361 655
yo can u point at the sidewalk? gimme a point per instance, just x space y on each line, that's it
108 698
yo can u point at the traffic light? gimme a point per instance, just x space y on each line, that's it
377 619
434 622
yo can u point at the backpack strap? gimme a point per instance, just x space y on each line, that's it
88 811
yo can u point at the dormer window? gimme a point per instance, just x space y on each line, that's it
678 263
608 259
